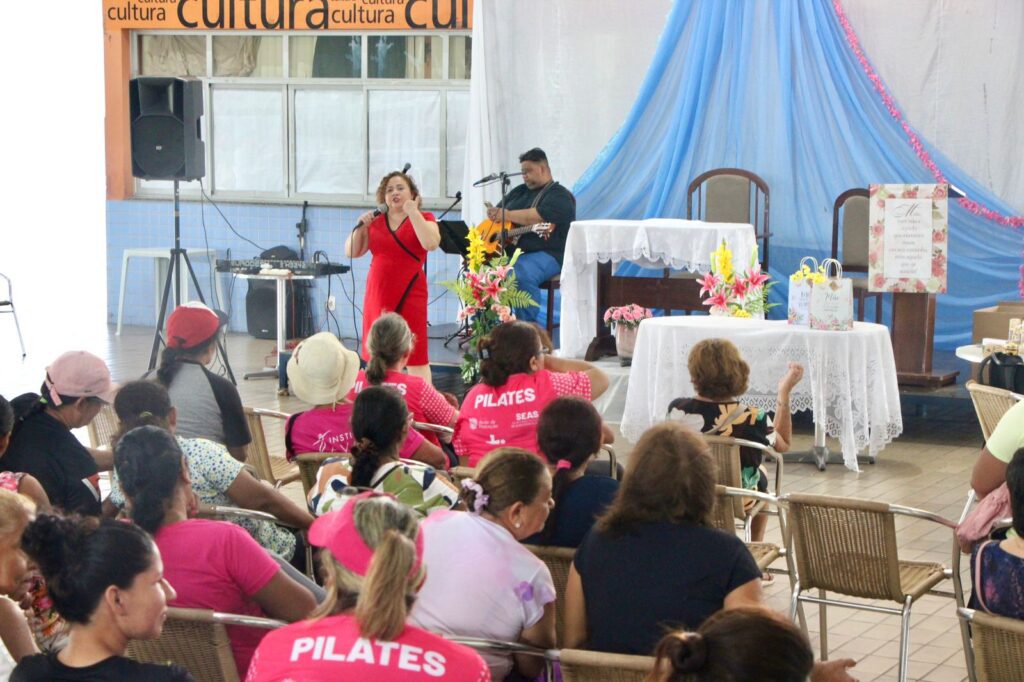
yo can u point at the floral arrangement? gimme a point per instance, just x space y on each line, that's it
628 316
805 274
488 292
735 294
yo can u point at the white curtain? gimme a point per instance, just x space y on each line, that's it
563 75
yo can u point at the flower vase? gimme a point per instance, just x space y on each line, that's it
625 341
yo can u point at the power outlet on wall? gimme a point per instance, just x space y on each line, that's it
330 302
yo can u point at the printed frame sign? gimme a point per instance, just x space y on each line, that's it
908 240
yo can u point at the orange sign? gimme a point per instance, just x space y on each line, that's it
287 15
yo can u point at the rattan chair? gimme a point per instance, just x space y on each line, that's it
309 464
849 547
217 511
196 640
991 404
461 473
497 646
275 470
559 561
996 653
594 666
723 518
726 453
103 427
7 306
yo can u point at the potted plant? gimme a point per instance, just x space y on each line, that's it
624 321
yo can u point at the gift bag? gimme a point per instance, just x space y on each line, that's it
800 284
831 306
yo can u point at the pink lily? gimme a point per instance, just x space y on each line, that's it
739 287
494 289
756 278
709 282
717 301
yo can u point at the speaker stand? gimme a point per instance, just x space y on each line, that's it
179 254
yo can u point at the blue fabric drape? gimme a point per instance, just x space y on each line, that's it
773 87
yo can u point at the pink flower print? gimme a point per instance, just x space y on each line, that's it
920 286
939 193
938 236
938 267
879 281
877 229
910 193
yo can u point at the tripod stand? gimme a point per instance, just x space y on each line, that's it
179 254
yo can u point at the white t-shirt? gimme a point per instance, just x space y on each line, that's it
502 587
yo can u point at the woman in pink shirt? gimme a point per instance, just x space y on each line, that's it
390 344
518 380
373 562
321 372
212 564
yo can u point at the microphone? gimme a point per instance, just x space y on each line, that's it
405 168
381 208
487 178
458 198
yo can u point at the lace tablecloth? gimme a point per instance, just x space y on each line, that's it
849 377
656 242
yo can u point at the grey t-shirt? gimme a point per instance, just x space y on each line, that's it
208 406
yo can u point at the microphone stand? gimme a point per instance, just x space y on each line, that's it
505 182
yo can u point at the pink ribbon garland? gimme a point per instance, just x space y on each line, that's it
915 142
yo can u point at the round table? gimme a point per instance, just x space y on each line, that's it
849 380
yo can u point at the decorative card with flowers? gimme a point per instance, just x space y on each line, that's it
908 240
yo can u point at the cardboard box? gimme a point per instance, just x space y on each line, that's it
994 321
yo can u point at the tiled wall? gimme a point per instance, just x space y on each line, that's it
150 224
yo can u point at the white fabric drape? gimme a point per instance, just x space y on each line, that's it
563 75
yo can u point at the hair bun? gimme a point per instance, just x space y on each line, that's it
55 542
690 652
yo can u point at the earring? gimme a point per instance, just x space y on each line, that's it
518 524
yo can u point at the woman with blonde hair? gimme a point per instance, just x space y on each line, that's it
399 237
373 566
656 538
390 344
719 376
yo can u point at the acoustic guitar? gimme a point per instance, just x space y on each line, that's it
490 231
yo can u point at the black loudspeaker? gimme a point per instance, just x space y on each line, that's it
165 118
261 303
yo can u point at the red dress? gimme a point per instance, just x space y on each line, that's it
397 281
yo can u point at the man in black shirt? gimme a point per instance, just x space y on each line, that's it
538 200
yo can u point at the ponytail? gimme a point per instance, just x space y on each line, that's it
366 458
378 418
389 339
384 601
172 358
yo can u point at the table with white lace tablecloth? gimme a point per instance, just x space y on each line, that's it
849 379
655 242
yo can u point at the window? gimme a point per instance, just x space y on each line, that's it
293 116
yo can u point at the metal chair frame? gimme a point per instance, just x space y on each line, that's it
9 303
1001 655
990 404
258 453
729 474
217 511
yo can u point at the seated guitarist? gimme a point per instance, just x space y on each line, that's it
538 200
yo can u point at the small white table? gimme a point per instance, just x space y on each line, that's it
162 259
849 379
655 242
281 280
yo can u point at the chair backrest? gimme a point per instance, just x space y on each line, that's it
595 666
103 427
309 464
257 453
723 516
731 195
558 560
726 453
461 473
197 640
991 404
845 545
853 204
997 645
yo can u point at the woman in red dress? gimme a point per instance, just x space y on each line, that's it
399 240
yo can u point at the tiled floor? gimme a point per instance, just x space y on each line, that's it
928 467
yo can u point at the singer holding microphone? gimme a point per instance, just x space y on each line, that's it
398 235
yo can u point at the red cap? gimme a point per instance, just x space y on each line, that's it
191 324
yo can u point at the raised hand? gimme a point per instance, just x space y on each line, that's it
791 378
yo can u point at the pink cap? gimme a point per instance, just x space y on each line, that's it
337 532
81 375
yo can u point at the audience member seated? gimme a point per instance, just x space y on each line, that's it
719 375
16 512
743 644
106 579
212 564
380 424
1008 437
390 344
217 477
321 372
652 562
998 565
372 561
76 386
569 434
518 380
17 481
481 582
208 405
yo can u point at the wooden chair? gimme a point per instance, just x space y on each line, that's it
852 232
197 640
594 666
551 286
726 453
103 427
7 306
848 546
558 560
732 195
996 651
275 470
991 404
723 518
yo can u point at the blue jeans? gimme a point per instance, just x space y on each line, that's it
533 269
